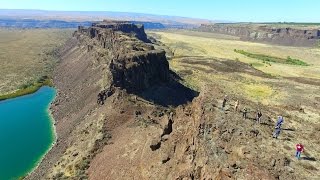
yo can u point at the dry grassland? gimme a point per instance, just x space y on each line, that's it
27 54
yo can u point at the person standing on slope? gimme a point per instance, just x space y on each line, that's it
244 112
300 149
236 105
278 127
276 132
258 117
224 102
280 121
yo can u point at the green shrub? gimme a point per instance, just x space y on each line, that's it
295 61
28 88
42 79
268 59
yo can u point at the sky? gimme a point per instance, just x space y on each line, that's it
231 10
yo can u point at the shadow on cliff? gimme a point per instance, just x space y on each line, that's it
172 93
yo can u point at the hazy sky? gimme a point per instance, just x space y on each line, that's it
233 10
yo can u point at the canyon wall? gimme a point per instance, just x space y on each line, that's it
133 62
267 33
108 58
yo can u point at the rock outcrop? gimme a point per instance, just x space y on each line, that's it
120 26
105 68
133 64
267 33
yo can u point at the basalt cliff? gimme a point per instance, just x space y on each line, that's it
292 36
121 113
105 72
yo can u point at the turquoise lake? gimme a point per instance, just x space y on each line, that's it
26 132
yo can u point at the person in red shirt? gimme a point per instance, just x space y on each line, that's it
300 149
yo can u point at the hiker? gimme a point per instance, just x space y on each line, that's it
300 149
280 121
258 117
276 132
224 102
278 127
244 112
171 116
236 105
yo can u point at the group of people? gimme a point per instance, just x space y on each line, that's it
276 133
244 110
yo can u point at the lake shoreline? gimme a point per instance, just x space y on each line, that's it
28 90
54 133
43 135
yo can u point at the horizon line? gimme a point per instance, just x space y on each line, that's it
177 16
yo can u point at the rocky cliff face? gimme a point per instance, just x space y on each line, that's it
138 72
267 33
106 59
133 64
112 26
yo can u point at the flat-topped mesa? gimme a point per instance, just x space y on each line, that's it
133 63
124 26
115 35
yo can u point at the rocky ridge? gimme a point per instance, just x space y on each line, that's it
267 33
105 59
134 65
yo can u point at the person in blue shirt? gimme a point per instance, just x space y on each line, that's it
278 127
277 132
279 122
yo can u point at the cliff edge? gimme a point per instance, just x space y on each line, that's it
282 35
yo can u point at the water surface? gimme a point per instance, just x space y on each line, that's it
26 132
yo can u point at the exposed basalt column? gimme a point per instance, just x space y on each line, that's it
138 72
103 95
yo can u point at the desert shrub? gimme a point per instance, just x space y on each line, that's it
42 79
83 165
59 175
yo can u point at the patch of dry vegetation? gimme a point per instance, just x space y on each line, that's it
28 88
76 159
27 55
216 46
